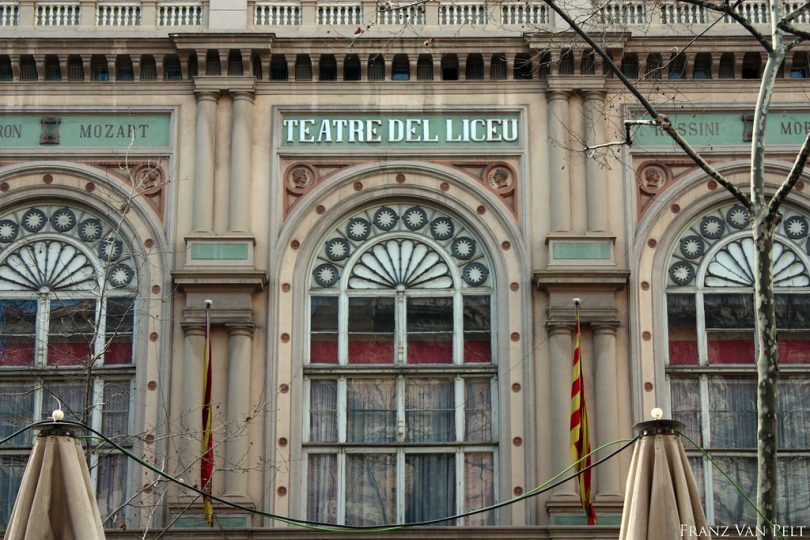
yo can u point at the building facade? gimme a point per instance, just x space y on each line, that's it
391 208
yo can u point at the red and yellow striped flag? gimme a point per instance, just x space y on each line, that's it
207 449
579 429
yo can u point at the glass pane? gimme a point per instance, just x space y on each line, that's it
682 327
323 339
71 332
794 414
729 310
16 411
322 488
370 489
477 335
479 488
729 506
792 311
696 464
794 347
17 331
478 410
112 490
429 410
732 413
794 492
371 410
11 472
70 397
115 415
323 411
371 330
686 407
730 347
430 487
118 336
430 330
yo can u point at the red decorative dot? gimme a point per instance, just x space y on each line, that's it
282 491
506 245
358 186
152 385
517 441
149 439
285 287
652 242
320 209
675 208
518 491
284 388
481 209
295 244
514 286
153 336
4 187
444 186
147 489
400 178
90 186
516 387
645 286
155 289
148 243
282 441
648 386
47 178
711 184
799 186
515 336
646 336
285 337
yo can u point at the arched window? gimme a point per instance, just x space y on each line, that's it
677 66
498 68
655 66
711 371
752 62
630 65
424 67
278 68
53 72
6 74
475 67
212 63
703 66
523 66
327 68
303 68
171 68
256 65
98 68
123 68
376 67
28 68
351 68
148 68
727 62
193 65
400 68
588 66
449 67
236 68
75 68
800 67
400 376
68 282
566 62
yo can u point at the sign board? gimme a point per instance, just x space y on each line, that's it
25 130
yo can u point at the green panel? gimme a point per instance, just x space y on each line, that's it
401 130
601 519
223 522
85 130
581 250
725 128
222 251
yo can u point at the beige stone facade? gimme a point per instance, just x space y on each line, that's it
276 158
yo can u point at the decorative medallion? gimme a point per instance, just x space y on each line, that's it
712 227
500 177
682 273
337 249
463 248
33 220
63 219
796 227
415 218
692 247
406 263
300 177
90 230
385 219
652 178
8 230
110 249
738 217
148 177
442 228
358 229
120 275
475 274
326 275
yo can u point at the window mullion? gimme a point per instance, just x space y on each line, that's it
341 409
458 328
343 330
401 427
41 331
400 328
702 334
101 331
400 489
307 408
341 487
459 407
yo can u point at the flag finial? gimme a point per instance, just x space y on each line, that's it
208 303
576 301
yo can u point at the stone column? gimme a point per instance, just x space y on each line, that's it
204 161
236 437
561 351
605 417
241 129
559 184
190 418
596 187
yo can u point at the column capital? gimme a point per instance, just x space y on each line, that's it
557 95
191 329
594 95
240 328
206 95
604 327
559 327
243 95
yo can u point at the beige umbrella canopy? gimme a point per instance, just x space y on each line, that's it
661 499
56 499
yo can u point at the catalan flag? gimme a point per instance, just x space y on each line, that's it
580 443
207 449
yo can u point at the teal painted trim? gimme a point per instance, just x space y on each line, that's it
85 130
581 250
224 522
601 519
220 251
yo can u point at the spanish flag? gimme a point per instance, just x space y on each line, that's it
207 449
580 443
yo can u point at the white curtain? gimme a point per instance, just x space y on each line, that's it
371 410
322 488
429 410
323 411
430 487
370 489
479 487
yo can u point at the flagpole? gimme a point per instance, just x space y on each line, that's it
207 446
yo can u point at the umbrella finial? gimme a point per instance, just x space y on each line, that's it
657 413
57 415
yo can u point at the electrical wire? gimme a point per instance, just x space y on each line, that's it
549 484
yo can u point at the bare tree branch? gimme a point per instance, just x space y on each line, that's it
729 10
797 170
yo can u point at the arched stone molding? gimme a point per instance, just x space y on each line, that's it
654 241
290 267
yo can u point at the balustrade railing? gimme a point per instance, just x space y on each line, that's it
524 13
58 13
180 14
340 13
621 13
392 14
118 14
9 14
461 13
277 14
